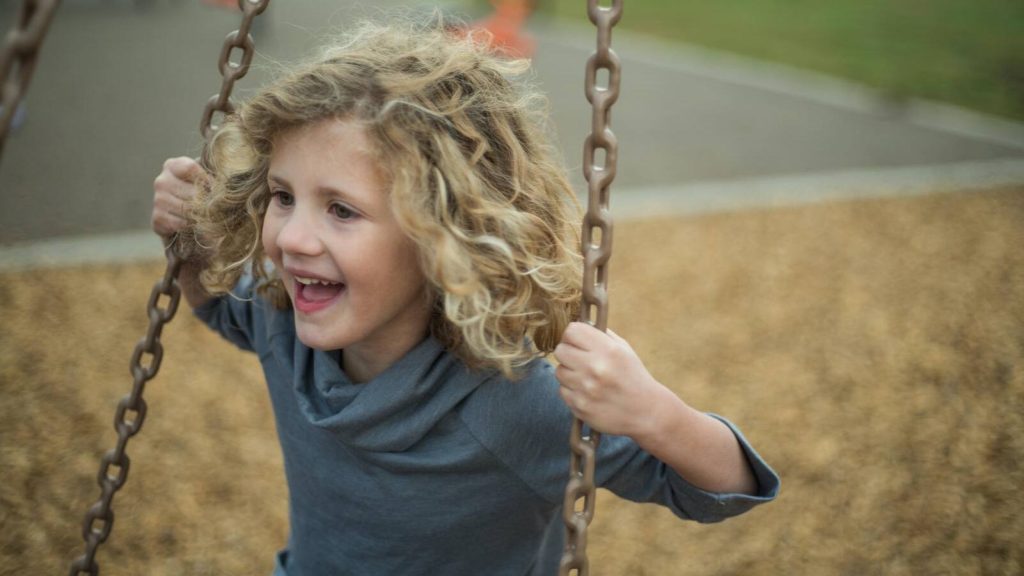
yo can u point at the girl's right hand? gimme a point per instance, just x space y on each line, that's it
173 190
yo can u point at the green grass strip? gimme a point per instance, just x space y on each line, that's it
965 52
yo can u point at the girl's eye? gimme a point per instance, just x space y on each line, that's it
342 212
283 198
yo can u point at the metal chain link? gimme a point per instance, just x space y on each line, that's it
580 497
18 57
148 353
231 70
131 413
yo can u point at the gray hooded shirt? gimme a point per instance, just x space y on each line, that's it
431 468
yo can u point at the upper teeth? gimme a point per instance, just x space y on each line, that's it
308 281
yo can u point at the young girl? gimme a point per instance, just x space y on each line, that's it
388 230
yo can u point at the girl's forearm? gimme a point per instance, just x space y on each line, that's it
191 287
700 448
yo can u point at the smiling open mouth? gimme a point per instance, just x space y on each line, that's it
312 294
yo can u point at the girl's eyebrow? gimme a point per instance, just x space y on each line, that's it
322 191
273 178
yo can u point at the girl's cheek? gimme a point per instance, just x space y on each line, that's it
268 237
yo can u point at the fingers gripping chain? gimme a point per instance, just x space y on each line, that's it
148 353
18 57
578 507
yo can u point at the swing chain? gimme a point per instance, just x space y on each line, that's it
18 57
149 352
131 412
580 497
232 70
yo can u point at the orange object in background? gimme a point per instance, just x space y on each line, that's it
506 28
230 4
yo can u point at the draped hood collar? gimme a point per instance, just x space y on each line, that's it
391 412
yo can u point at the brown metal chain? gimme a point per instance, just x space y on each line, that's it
580 492
18 57
145 360
230 69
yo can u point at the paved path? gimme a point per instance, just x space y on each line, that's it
121 84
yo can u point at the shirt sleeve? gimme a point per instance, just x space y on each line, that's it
629 471
527 426
234 315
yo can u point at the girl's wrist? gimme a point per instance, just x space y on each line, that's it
660 422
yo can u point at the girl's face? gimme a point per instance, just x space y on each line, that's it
352 275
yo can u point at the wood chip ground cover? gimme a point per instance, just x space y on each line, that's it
873 351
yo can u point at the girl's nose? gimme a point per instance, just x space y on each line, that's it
298 235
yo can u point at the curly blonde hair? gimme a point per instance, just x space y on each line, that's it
473 180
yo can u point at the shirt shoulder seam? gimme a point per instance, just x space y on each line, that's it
508 467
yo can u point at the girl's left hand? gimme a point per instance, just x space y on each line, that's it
604 382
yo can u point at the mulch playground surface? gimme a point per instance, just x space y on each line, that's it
873 351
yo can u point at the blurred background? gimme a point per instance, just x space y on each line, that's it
712 92
821 211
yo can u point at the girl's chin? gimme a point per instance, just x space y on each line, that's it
318 342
